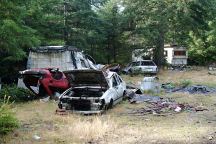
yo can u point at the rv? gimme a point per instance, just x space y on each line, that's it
175 55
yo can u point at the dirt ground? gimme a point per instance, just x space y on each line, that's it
40 124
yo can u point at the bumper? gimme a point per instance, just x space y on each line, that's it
145 72
87 112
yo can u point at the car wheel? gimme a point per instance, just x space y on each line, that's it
110 104
124 95
60 105
42 92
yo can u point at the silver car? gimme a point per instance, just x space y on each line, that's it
144 66
92 91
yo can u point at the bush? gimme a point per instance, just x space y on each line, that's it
185 83
7 120
16 94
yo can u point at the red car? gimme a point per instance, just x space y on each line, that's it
45 81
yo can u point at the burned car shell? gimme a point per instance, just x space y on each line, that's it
92 91
48 80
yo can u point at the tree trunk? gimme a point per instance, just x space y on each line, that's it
108 51
114 50
159 50
0 83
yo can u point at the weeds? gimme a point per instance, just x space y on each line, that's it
7 120
16 94
185 83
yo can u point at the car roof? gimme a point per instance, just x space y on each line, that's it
142 60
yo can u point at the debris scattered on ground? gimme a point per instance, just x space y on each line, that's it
179 68
162 108
144 98
150 84
212 73
200 89
61 112
168 86
200 108
46 99
36 137
212 67
136 96
210 137
194 89
131 86
158 106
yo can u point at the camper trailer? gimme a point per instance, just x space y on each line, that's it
175 55
62 57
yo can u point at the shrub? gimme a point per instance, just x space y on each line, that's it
16 94
7 120
185 83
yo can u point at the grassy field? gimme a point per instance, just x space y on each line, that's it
118 127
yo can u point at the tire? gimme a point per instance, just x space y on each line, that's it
42 92
124 96
110 104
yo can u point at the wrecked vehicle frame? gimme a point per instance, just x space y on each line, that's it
92 91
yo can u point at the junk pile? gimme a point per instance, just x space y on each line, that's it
212 69
148 84
194 89
156 105
212 73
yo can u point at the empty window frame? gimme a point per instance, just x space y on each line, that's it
179 53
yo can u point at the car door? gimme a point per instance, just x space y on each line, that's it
135 66
115 89
119 88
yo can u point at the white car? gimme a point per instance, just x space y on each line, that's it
92 91
144 66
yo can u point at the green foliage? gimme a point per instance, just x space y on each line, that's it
203 49
185 83
16 94
109 30
15 36
7 120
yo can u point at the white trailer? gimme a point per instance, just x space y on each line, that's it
175 55
62 57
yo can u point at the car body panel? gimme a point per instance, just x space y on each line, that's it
94 96
50 80
145 66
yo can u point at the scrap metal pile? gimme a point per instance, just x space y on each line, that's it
157 106
194 89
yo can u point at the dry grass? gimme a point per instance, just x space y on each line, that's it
197 77
116 126
39 119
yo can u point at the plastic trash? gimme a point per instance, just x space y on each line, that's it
148 83
36 137
178 109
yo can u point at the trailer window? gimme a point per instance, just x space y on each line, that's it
180 53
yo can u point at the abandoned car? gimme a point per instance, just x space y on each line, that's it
45 81
92 91
143 66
